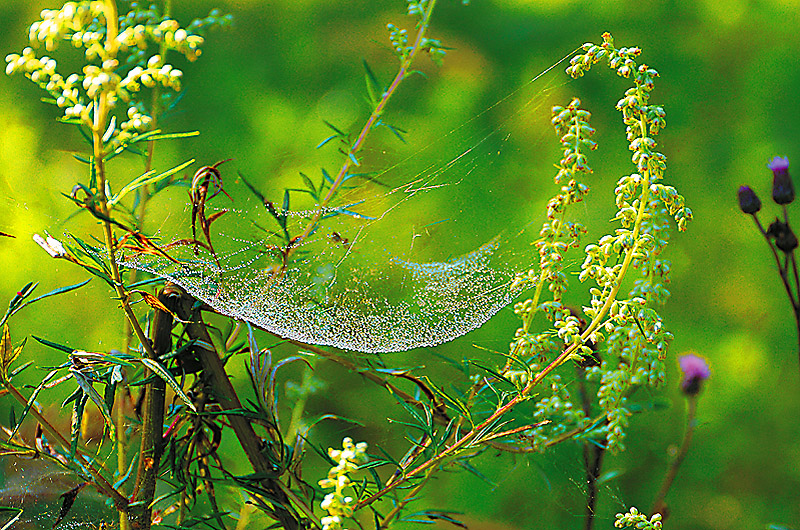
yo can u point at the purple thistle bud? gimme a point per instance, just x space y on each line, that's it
782 187
748 200
695 371
783 235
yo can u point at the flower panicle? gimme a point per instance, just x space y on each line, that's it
338 505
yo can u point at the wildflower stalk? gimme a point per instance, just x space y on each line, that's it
794 294
650 166
659 506
779 235
154 401
405 66
128 330
99 124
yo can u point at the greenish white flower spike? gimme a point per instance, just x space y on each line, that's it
117 69
337 504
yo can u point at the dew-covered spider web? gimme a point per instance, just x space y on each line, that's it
32 490
401 258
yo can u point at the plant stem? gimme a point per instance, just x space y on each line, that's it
214 372
783 272
405 65
103 486
592 454
659 506
412 495
152 420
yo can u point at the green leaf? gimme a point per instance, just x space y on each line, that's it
309 184
147 178
59 290
356 215
32 400
55 345
14 304
88 390
156 367
77 416
373 85
334 129
326 140
284 210
170 136
397 132
7 353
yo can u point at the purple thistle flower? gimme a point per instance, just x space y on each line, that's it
695 371
779 163
748 200
782 186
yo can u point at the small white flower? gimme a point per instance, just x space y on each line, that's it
51 245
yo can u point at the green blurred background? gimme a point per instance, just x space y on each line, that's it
729 82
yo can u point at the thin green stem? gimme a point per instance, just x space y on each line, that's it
659 506
404 501
373 119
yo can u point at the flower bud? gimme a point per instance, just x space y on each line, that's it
782 187
748 200
783 235
695 371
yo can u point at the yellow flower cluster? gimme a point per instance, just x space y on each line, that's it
339 506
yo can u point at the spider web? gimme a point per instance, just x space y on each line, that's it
364 281
35 487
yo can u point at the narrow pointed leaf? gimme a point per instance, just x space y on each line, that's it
326 140
147 178
55 345
32 400
77 416
6 352
88 390
374 89
156 367
54 292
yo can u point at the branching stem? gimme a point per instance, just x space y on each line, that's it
373 119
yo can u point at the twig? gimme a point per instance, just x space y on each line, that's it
152 446
105 487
